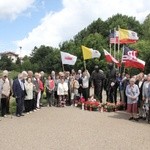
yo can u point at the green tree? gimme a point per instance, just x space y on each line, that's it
6 63
146 28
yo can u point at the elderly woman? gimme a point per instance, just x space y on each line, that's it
62 90
50 86
132 93
29 97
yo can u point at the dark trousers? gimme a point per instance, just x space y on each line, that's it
98 92
111 93
28 105
125 100
50 98
7 105
3 106
34 100
85 93
20 105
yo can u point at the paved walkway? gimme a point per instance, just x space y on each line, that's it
73 129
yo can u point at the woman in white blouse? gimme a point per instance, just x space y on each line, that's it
62 91
29 97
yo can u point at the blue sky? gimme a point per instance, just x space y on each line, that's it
29 23
12 30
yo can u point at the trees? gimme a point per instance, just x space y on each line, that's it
146 28
5 63
95 36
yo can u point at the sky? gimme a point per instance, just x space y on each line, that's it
30 23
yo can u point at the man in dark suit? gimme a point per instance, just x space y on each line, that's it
19 93
97 78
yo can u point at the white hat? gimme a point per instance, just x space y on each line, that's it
5 73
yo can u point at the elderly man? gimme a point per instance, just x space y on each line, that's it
97 78
5 93
19 93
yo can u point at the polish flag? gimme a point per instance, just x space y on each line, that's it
135 63
68 58
109 58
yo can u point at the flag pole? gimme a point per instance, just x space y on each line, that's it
63 67
115 44
84 64
110 42
122 59
118 43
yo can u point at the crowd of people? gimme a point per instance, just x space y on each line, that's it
66 87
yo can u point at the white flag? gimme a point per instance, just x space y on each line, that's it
68 58
95 53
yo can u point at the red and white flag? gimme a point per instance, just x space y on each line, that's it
68 58
135 63
110 58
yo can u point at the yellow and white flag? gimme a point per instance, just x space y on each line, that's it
127 34
89 53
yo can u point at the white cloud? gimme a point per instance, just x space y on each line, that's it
56 27
11 9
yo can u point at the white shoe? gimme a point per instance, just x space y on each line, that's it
30 112
5 116
27 113
34 110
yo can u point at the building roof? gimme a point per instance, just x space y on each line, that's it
9 53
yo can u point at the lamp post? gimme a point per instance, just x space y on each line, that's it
20 47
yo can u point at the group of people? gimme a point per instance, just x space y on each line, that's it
65 88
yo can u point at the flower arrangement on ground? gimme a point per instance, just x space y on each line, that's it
120 106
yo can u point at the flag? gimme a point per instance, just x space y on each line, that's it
110 58
136 63
130 59
89 53
127 35
68 58
129 54
114 39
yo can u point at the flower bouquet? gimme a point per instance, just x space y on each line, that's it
110 107
81 101
120 106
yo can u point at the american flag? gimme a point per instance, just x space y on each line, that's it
113 38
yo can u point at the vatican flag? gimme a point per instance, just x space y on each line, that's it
127 35
89 53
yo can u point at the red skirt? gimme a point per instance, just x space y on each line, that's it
132 108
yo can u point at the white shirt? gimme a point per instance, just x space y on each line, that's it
29 90
62 88
85 82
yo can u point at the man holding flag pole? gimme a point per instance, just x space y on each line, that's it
97 76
